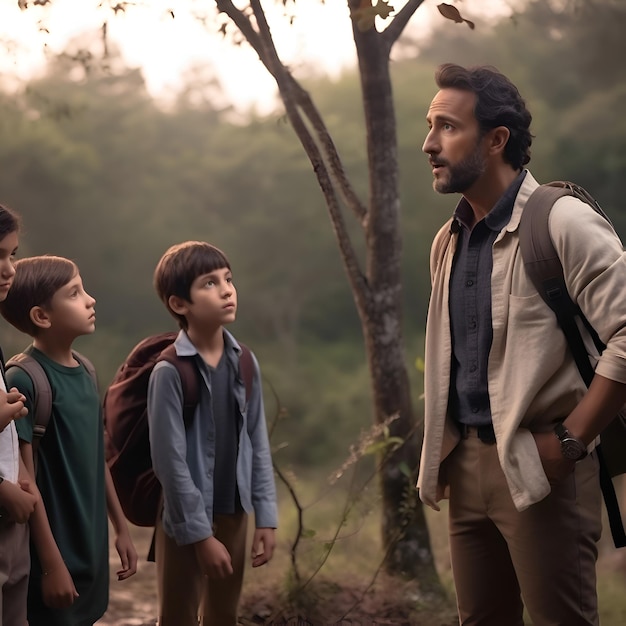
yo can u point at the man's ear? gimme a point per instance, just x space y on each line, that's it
497 139
178 305
39 317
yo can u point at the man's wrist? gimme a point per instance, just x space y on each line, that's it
572 448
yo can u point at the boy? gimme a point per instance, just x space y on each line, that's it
216 469
69 566
18 496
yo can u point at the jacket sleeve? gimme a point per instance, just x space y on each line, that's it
263 486
594 264
185 516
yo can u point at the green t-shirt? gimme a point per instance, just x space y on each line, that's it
70 476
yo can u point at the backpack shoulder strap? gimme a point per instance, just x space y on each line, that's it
545 270
42 397
246 369
540 257
188 372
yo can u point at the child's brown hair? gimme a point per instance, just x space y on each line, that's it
180 266
36 281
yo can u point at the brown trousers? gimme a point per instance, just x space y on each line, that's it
14 573
187 597
543 557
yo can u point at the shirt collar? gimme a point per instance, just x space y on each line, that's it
498 217
185 347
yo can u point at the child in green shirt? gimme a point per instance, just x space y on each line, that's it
69 562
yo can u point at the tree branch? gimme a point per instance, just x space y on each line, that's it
295 98
401 19
303 100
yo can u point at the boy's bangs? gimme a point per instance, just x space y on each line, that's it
205 261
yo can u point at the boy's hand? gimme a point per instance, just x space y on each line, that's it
57 588
11 406
128 555
214 558
18 500
263 537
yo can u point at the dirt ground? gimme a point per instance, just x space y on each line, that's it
133 602
387 603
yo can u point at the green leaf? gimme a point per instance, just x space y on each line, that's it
381 446
405 469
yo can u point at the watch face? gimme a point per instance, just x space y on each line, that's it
572 449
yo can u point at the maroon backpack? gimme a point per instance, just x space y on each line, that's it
127 446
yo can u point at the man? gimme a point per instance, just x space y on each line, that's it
501 388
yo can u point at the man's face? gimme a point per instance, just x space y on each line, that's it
454 142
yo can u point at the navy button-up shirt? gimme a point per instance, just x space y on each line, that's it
470 306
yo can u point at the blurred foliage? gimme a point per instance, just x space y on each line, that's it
105 175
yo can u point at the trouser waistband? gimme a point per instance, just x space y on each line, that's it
484 432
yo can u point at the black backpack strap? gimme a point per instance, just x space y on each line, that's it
611 501
42 396
545 270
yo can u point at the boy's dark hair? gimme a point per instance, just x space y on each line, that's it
498 103
10 221
180 266
36 281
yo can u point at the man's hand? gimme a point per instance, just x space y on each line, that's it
263 546
11 406
214 558
555 465
18 501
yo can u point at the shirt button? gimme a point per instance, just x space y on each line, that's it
473 367
474 409
469 283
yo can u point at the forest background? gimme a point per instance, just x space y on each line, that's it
106 175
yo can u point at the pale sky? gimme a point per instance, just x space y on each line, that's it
164 47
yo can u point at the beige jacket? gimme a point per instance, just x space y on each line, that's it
532 379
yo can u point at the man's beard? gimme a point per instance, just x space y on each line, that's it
462 175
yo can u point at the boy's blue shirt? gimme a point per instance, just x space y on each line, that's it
183 457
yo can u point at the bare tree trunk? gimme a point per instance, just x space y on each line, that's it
377 290
404 530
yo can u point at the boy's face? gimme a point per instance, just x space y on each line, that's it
8 248
213 301
71 310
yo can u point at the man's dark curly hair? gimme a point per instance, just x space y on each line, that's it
498 103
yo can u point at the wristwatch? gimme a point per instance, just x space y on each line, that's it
571 448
